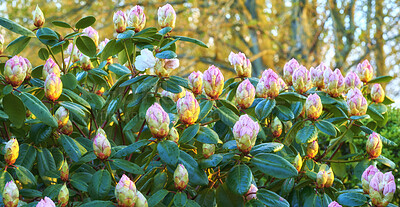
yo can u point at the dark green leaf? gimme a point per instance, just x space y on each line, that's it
225 197
254 203
205 108
165 30
130 149
74 108
274 165
15 109
179 81
133 80
52 191
97 203
171 86
30 193
7 89
17 45
14 27
197 176
100 185
180 199
27 156
85 22
25 177
4 178
307 134
382 159
266 148
326 127
126 35
147 84
292 96
381 79
168 151
167 54
207 135
227 116
76 98
239 179
61 24
69 81
189 133
352 199
128 166
283 113
47 36
108 50
119 69
46 164
212 161
70 147
86 45
43 54
38 109
264 108
270 198
188 39
157 197
40 133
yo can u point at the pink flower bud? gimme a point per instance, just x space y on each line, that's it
188 108
68 128
312 149
101 145
157 121
38 17
298 162
50 67
367 176
28 69
365 71
53 87
166 16
288 70
374 145
317 75
276 127
181 177
92 33
241 64
86 63
46 202
119 20
269 85
334 82
141 201
173 135
356 102
352 81
137 18
325 177
64 172
145 60
245 132
174 96
63 195
11 151
313 106
282 84
334 204
196 82
15 71
208 150
1 44
301 79
245 94
62 116
252 192
164 67
125 192
213 82
382 188
10 194
74 54
377 93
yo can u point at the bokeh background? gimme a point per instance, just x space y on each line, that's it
270 32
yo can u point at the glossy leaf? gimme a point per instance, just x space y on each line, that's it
274 165
239 179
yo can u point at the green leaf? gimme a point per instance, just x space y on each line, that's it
30 193
180 199
61 24
274 165
381 79
207 135
108 50
171 86
47 36
168 45
157 197
165 30
98 203
365 116
27 156
16 28
179 81
15 109
270 198
40 133
283 113
225 197
85 22
130 149
17 45
375 114
70 147
76 98
188 39
292 96
352 199
119 69
86 45
43 54
264 108
189 133
38 109
168 151
25 177
133 80
307 134
205 108
4 178
74 108
167 54
326 127
239 179
7 89
46 164
212 161
197 176
128 166
266 148
254 203
100 185
125 35
382 159
52 191
227 116
69 81
147 84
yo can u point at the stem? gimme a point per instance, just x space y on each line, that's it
62 59
94 119
343 161
170 203
129 59
120 127
83 134
5 128
72 52
209 122
52 54
110 171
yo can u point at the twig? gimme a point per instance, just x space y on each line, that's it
83 134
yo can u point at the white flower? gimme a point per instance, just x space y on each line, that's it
145 60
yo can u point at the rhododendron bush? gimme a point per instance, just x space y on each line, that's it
106 123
